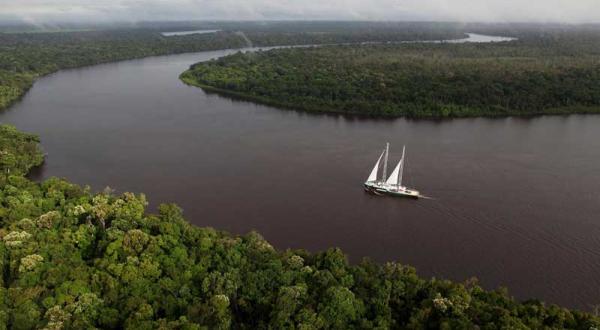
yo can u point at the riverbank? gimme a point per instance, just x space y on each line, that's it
427 80
497 176
41 53
188 79
132 269
208 149
28 56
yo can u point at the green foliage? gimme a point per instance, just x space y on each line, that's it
549 73
71 259
12 86
76 260
25 56
19 152
323 32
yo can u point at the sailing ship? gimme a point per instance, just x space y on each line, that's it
391 185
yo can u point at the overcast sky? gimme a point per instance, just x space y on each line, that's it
569 11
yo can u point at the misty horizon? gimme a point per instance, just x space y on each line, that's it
130 11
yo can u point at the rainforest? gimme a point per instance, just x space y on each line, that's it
543 73
72 257
75 259
25 56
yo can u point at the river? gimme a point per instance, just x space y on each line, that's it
516 200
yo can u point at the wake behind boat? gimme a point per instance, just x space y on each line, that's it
392 185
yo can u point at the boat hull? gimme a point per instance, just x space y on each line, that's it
379 189
411 194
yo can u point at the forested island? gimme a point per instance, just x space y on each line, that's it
74 259
556 72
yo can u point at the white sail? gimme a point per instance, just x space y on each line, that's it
401 164
393 179
373 176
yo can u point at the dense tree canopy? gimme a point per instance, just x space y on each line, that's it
25 56
550 73
19 152
73 259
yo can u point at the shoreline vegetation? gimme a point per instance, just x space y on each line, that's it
189 80
24 56
556 73
74 259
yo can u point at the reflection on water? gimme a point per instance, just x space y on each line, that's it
471 37
185 33
516 200
480 38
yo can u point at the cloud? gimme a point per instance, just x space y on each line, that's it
569 11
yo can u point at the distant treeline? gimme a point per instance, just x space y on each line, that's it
26 56
72 259
554 71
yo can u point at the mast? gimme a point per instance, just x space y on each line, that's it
385 160
401 166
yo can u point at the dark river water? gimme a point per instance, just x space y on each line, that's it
516 201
